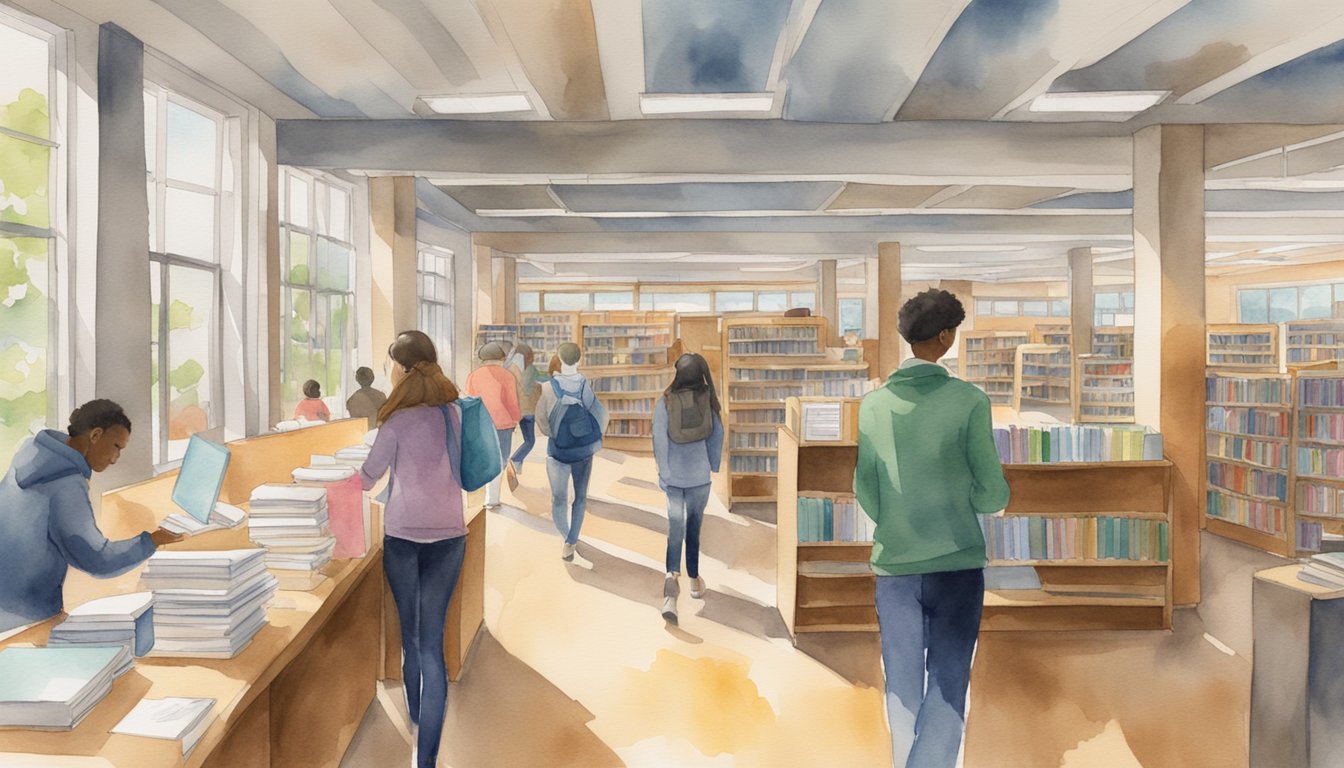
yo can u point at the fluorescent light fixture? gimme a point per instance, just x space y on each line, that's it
478 103
1098 101
1215 255
970 248
1295 247
773 269
1100 250
506 212
682 103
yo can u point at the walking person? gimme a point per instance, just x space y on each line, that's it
569 413
425 530
687 447
530 380
926 467
498 390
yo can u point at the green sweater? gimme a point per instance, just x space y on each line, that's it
926 467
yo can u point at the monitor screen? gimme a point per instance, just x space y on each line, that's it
200 478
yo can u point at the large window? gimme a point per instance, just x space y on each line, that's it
1112 308
29 149
316 273
434 286
1282 304
1021 307
851 316
675 302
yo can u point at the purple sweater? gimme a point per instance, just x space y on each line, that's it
425 495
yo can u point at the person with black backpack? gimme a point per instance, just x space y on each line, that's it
569 413
687 447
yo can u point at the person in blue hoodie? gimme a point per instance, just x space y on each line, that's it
46 520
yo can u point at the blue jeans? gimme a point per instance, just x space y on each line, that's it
559 473
685 512
422 577
528 426
937 614
492 488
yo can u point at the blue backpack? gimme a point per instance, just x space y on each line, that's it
476 456
575 433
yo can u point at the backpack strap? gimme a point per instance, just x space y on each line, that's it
454 446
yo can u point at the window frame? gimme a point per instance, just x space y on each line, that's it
440 306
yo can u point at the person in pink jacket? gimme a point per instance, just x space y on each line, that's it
498 390
311 406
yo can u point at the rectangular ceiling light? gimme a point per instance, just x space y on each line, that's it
1098 101
478 103
685 103
971 248
1287 248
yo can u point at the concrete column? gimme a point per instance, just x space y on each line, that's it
482 257
392 259
121 334
1080 299
889 307
506 290
272 326
1169 323
828 304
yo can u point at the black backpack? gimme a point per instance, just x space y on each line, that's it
690 418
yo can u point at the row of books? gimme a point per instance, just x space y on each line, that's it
791 374
1262 483
1263 516
780 348
1317 499
208 604
1030 537
995 387
753 464
832 388
1259 338
1273 454
751 440
975 370
1321 426
758 416
1089 394
1228 358
977 343
772 333
1320 392
1046 392
1221 389
630 428
631 406
632 383
1322 462
1250 421
1107 368
833 519
1053 371
1310 536
641 357
1061 443
625 331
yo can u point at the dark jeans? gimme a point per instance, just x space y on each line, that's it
528 426
937 614
422 577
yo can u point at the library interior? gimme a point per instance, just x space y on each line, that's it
220 218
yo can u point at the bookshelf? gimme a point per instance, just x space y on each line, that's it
626 357
768 359
1242 346
1105 390
1318 457
1056 333
988 361
1114 342
1310 341
544 332
1247 459
489 332
1096 535
1044 375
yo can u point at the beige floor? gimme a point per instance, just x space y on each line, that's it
577 668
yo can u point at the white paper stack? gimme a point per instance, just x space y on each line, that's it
1325 569
290 521
223 516
208 604
126 620
171 718
54 688
352 456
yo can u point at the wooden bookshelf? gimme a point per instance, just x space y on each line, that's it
1242 346
489 332
1317 457
768 359
544 332
1310 341
1060 334
828 586
1113 341
1043 375
1103 390
627 356
988 360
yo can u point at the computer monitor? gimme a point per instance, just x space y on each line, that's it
200 478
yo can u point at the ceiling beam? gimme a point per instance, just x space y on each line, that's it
1317 36
620 49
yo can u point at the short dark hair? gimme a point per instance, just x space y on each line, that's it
311 388
97 414
929 314
364 375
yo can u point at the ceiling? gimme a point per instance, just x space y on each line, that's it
887 120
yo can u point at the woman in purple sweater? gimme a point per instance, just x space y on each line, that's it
425 533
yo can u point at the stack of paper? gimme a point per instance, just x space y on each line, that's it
352 456
1324 569
208 604
119 620
54 688
171 718
291 522
223 516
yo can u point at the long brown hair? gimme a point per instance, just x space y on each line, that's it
424 383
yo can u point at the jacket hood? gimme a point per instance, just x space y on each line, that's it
915 373
569 378
46 458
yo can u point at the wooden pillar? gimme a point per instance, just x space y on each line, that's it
1169 323
482 258
828 303
506 290
1080 300
393 259
889 307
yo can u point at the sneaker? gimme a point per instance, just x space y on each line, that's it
517 466
697 587
670 609
567 552
671 587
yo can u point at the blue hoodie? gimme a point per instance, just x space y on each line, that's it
46 526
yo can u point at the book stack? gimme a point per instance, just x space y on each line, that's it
54 688
347 506
1044 445
352 456
1324 569
172 718
208 604
126 620
291 522
221 517
832 519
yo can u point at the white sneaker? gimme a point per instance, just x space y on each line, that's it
697 587
567 552
670 609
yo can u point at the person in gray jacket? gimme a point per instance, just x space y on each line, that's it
46 520
567 405
687 447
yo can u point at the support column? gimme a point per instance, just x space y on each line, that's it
1080 300
274 324
506 290
482 257
393 260
827 301
1169 323
888 307
122 371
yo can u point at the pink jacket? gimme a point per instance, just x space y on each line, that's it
312 409
498 389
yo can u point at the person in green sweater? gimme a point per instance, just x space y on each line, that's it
926 467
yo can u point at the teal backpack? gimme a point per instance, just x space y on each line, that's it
476 455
